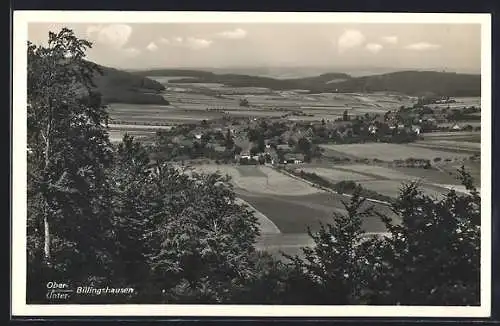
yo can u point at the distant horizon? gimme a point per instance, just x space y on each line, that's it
326 46
325 69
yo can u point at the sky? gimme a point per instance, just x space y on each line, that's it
451 47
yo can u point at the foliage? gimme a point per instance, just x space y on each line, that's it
430 257
433 253
244 102
68 217
201 240
334 269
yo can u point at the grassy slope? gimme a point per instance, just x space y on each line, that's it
117 86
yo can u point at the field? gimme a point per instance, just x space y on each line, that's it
266 225
194 102
263 180
450 135
154 114
387 181
194 97
286 206
378 172
295 215
335 174
391 152
461 102
450 146
392 188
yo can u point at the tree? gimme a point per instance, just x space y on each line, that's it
261 144
202 239
254 151
132 203
345 116
253 135
244 102
432 256
333 269
69 213
229 141
237 149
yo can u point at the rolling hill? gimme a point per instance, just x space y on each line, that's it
414 83
117 86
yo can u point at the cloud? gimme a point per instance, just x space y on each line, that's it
390 39
198 43
131 52
235 34
350 39
114 35
152 47
190 42
422 46
164 40
374 47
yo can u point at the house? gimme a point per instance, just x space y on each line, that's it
219 149
428 117
284 147
293 158
416 129
245 155
372 129
338 124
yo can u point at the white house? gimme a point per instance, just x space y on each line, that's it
372 129
416 129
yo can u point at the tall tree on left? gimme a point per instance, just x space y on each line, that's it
69 215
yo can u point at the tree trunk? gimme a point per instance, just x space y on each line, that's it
46 245
46 226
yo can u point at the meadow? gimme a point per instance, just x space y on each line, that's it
286 207
391 152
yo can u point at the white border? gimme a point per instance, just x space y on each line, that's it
20 37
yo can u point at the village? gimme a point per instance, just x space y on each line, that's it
278 140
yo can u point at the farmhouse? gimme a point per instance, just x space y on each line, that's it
372 129
245 155
295 158
416 129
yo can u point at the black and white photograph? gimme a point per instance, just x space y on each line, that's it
251 164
